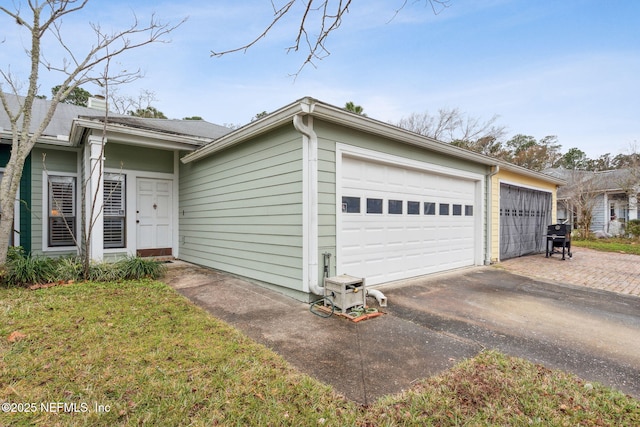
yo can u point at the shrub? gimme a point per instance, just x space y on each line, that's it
26 270
22 269
633 228
14 253
68 269
134 268
105 272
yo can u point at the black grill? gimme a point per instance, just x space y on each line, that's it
559 236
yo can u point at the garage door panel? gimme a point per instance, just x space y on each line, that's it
389 246
524 216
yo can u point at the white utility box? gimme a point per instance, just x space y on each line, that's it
345 291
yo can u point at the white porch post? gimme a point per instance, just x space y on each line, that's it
606 213
633 203
94 197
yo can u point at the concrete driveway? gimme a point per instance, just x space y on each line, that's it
431 324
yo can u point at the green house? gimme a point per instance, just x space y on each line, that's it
313 190
307 191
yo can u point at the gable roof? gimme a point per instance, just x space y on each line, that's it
615 180
312 107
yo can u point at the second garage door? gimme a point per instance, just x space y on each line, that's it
398 222
524 216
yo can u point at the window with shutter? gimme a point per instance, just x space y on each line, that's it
114 211
62 208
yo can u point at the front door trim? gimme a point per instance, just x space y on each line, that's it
154 216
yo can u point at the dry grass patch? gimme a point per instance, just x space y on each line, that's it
493 389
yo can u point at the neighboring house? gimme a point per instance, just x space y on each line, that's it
307 189
611 196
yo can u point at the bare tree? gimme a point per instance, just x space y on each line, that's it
580 197
89 211
317 20
125 104
453 126
45 18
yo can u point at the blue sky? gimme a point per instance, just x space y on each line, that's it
568 68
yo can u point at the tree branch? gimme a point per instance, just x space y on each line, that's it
329 20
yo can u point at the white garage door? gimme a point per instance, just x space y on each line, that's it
397 222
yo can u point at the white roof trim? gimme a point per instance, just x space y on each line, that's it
136 136
338 115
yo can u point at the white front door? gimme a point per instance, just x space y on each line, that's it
154 221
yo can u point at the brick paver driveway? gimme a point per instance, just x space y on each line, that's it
609 271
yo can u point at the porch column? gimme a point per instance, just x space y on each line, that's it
633 204
607 212
94 197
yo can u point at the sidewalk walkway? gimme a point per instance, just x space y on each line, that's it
608 271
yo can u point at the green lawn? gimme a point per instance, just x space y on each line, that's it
627 246
138 353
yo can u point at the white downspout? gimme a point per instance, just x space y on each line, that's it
310 138
487 258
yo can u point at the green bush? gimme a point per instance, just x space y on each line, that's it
27 270
633 228
14 253
23 269
68 269
134 268
104 272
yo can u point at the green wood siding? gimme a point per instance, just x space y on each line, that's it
241 209
55 161
25 196
120 156
332 134
326 203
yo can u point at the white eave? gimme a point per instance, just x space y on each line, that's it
61 140
135 136
261 126
312 107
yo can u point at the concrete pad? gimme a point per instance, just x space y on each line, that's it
430 324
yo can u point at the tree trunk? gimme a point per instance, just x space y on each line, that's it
8 192
6 230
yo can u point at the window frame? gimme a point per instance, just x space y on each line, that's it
430 208
47 242
411 204
346 206
379 202
392 207
122 212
